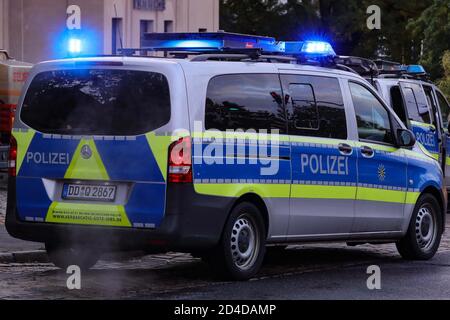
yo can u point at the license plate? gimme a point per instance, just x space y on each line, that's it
89 192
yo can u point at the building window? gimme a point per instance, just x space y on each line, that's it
116 35
147 26
168 26
155 5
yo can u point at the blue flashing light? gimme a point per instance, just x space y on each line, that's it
75 46
186 44
415 69
310 49
209 41
318 48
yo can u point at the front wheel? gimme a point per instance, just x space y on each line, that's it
242 248
425 231
65 256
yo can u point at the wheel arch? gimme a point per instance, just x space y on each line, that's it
435 192
259 203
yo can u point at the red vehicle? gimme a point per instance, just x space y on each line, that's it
13 75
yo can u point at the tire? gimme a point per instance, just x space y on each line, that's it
241 250
81 256
425 231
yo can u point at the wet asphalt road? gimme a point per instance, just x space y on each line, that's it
399 280
307 272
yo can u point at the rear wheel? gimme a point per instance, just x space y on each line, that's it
425 231
242 248
64 256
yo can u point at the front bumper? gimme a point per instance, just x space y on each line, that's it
192 222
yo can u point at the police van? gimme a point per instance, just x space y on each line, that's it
227 145
420 105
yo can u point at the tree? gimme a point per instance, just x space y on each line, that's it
261 17
405 24
444 83
433 27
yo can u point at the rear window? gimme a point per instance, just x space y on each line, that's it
97 102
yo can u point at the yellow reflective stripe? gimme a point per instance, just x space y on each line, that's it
88 169
308 192
412 197
421 156
237 190
447 161
378 147
159 146
87 214
333 142
435 156
380 195
423 125
23 143
323 192
221 135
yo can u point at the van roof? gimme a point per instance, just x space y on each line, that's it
148 61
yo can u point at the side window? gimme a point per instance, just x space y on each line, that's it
416 103
245 101
431 102
306 112
372 118
397 103
445 108
315 106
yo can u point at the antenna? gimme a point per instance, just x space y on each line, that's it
120 35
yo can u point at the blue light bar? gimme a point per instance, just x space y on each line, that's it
223 41
415 69
209 41
310 48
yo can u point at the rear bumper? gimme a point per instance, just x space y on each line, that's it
192 222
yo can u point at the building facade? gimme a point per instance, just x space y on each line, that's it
36 30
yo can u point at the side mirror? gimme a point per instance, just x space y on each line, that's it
406 138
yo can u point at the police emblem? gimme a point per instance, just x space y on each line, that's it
86 152
381 172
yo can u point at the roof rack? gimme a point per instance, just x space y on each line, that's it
390 69
362 66
223 46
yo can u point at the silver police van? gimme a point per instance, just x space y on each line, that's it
420 104
227 145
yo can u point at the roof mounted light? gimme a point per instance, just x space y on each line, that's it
318 48
208 41
415 69
75 46
310 49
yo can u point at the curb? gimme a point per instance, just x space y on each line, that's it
38 256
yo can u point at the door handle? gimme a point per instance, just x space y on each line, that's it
345 149
367 152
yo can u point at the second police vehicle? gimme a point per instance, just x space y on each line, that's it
226 146
418 102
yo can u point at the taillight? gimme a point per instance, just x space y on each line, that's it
180 161
12 157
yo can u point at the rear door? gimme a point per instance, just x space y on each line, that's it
91 148
420 116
